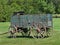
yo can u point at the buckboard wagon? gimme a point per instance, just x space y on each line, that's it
28 24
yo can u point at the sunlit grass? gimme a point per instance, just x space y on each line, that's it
56 23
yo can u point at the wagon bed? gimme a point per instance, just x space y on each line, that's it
28 20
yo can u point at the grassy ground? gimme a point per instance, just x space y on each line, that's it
52 40
56 23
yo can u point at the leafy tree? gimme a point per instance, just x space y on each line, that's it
7 7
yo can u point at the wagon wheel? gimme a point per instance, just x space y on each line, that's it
45 32
25 32
35 33
38 34
31 32
12 31
22 33
42 33
49 29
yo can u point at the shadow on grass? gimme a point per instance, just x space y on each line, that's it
20 37
27 37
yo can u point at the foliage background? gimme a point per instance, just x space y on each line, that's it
7 7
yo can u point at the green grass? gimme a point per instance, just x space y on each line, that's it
4 26
56 23
54 39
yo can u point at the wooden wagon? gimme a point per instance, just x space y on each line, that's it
27 21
